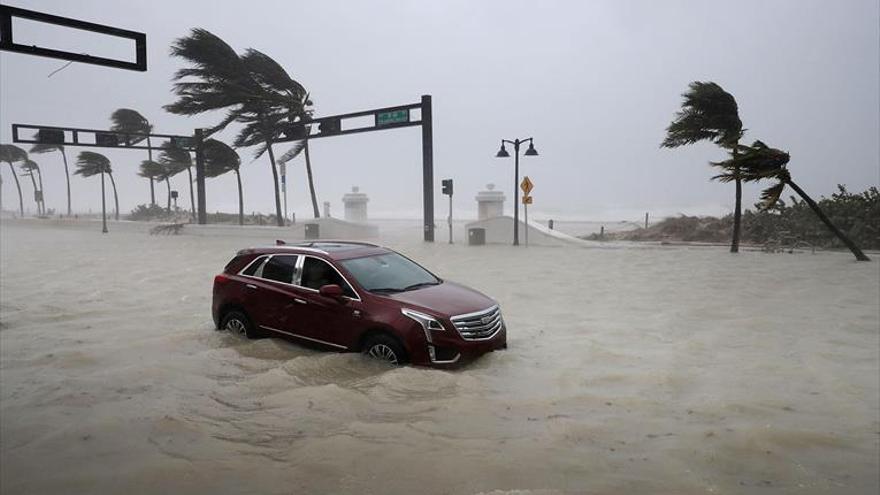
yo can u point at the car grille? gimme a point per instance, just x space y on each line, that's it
480 325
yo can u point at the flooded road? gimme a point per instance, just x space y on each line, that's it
630 370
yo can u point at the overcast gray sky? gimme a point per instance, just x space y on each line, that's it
595 83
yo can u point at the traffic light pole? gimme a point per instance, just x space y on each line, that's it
450 219
200 177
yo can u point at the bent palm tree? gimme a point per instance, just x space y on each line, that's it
89 164
709 113
220 159
135 128
292 153
176 160
32 170
155 171
758 162
46 148
253 88
10 154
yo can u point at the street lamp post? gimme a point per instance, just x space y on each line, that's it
502 153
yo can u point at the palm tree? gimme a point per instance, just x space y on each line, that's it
296 150
176 160
45 148
32 170
156 171
135 127
254 89
10 154
758 162
220 159
710 113
89 164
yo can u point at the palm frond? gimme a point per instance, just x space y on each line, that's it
89 163
11 153
153 170
219 158
770 196
707 113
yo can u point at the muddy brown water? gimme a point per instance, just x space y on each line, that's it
661 370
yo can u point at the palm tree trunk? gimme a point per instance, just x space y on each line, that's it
152 187
737 208
168 185
67 175
819 213
275 183
34 182
17 186
240 199
103 206
192 197
311 182
115 196
42 191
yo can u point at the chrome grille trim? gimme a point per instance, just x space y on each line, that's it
471 326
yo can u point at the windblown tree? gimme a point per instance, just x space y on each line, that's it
89 164
298 148
135 128
176 160
32 170
11 154
761 162
253 89
220 159
708 113
156 171
46 148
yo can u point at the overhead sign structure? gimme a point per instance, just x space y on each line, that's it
8 43
526 185
95 138
383 119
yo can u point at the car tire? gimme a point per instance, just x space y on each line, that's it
384 348
239 324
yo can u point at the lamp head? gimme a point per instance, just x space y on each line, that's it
531 151
502 153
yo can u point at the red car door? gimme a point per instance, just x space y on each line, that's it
273 303
329 320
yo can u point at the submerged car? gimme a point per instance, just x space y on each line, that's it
354 296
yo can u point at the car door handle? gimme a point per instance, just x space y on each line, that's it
250 286
299 301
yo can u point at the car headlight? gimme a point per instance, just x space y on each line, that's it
426 321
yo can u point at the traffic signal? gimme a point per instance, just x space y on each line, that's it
50 136
447 187
329 127
106 139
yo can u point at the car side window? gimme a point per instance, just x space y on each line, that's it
280 268
318 273
251 270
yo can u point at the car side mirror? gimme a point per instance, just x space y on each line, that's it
332 291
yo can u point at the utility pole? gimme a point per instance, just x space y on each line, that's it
447 190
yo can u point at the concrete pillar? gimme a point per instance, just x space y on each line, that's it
355 205
326 209
490 203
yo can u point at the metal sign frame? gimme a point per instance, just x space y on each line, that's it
7 41
76 140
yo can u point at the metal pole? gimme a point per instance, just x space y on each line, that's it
516 194
200 177
103 207
428 168
526 211
283 167
450 219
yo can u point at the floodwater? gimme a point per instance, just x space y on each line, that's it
630 370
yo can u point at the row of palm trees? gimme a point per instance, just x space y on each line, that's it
708 113
219 159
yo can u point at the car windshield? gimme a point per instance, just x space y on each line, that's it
389 272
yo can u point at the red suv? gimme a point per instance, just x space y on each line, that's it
353 296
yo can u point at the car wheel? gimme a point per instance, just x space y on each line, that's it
239 324
385 348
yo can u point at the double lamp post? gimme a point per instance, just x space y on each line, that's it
502 153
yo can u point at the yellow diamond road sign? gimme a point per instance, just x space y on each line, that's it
526 185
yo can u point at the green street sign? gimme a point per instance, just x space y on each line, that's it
393 117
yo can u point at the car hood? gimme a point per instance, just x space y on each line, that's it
446 300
